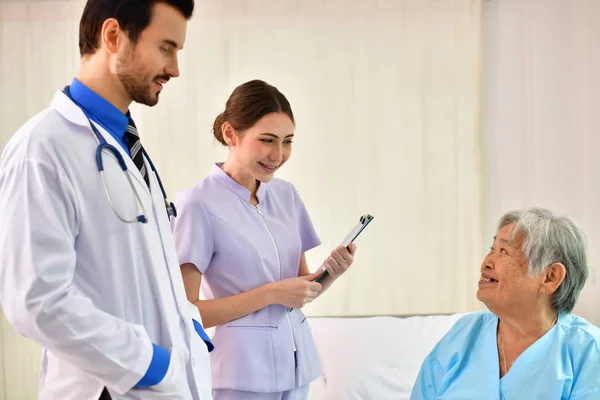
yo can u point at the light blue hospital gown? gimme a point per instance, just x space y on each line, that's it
562 364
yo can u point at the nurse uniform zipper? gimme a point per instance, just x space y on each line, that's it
279 264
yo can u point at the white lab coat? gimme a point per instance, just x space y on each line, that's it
93 291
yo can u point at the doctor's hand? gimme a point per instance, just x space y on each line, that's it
340 260
296 292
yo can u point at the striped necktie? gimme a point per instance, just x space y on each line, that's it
132 139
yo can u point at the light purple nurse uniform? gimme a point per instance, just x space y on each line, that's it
238 247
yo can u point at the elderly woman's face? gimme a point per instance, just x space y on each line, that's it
504 280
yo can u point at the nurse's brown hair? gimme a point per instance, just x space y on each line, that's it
248 103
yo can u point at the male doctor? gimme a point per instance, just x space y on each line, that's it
88 267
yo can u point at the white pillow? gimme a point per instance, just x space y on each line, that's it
373 358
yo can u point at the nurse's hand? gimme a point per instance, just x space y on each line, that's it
296 292
340 260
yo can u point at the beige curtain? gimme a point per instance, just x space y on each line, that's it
386 95
541 102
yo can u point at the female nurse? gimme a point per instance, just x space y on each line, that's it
241 235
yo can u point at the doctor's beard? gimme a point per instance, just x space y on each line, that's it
137 86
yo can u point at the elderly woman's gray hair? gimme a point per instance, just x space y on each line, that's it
549 239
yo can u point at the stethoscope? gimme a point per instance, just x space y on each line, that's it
103 145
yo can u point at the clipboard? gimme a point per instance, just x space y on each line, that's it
350 238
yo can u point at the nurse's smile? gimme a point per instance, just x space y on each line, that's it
268 168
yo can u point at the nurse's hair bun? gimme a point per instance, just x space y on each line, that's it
218 128
248 103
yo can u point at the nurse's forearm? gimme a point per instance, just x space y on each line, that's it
220 311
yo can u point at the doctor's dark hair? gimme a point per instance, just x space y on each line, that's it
248 103
133 17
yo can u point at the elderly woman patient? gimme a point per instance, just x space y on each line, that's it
528 345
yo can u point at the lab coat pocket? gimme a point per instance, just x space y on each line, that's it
173 386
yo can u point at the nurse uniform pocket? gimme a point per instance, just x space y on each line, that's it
309 366
253 326
243 358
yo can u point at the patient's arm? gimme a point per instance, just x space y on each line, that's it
426 385
587 383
